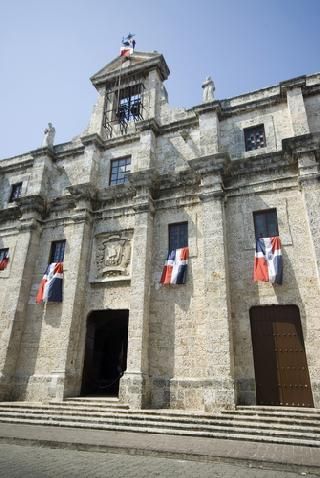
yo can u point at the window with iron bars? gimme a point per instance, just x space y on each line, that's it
57 251
15 192
178 235
254 137
266 223
129 104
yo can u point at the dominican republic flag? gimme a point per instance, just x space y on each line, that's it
268 260
126 51
50 289
175 268
4 262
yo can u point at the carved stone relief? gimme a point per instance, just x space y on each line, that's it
113 252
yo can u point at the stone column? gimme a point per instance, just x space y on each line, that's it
134 386
96 119
93 146
297 111
13 310
145 157
304 150
66 377
219 344
209 128
43 163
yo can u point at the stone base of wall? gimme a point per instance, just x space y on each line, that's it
135 390
192 394
245 391
5 387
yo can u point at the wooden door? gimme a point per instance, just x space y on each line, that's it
281 370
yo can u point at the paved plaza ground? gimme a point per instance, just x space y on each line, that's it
32 451
33 462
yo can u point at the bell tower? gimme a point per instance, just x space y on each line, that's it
129 92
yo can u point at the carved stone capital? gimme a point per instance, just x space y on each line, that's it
83 192
45 152
305 143
149 124
147 178
94 139
213 164
10 214
32 204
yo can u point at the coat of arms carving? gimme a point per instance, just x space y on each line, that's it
113 253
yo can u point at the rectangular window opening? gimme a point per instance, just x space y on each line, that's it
120 168
254 137
178 235
266 223
57 251
15 192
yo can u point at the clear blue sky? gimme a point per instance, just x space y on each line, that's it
49 49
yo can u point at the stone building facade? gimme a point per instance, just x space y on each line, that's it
112 194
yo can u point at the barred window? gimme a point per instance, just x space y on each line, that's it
254 137
4 254
15 192
266 223
130 103
119 170
57 251
178 235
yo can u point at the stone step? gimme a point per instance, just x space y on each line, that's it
142 415
134 421
62 407
218 433
260 409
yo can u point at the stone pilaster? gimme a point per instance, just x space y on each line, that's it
93 145
134 386
43 163
209 128
18 288
148 130
219 343
66 377
297 111
96 120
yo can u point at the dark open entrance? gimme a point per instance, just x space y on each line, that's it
105 352
280 362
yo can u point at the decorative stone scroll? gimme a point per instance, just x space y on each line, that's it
113 253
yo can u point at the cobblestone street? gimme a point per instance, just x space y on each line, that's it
33 462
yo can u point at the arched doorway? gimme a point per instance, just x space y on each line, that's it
105 352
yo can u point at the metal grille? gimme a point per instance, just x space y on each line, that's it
178 235
57 251
266 223
123 104
3 254
119 170
15 191
254 137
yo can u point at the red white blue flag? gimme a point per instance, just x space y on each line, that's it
4 262
175 268
128 45
268 265
50 289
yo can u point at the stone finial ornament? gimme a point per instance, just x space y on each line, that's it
49 134
208 90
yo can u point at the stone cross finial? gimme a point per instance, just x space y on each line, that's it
208 90
49 134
